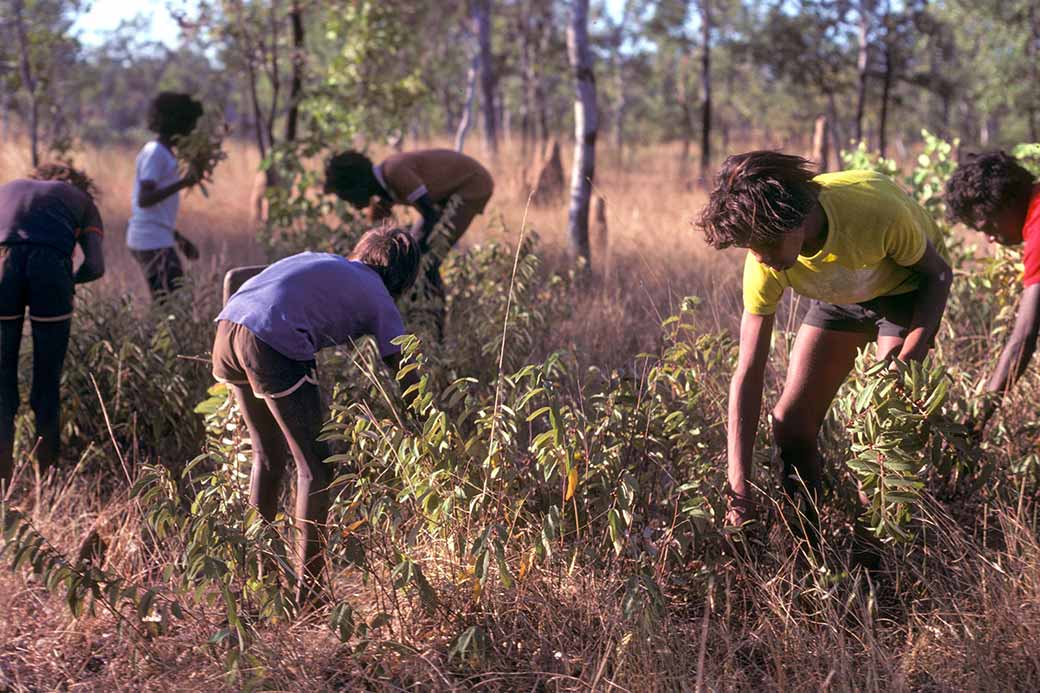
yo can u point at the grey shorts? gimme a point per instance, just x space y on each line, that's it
885 316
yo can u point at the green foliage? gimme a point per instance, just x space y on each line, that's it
925 181
1029 155
895 414
132 373
202 150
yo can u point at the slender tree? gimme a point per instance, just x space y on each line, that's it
481 12
586 124
706 26
467 107
28 79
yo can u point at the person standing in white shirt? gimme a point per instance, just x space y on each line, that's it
151 234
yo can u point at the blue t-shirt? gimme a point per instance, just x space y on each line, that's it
310 301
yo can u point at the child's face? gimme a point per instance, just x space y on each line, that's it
1005 228
782 254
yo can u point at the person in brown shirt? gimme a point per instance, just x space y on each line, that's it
427 180
42 220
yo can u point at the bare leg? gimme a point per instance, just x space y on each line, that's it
301 415
269 453
820 361
50 343
10 344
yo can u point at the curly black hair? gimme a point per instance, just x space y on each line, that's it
349 175
172 114
65 173
758 197
983 185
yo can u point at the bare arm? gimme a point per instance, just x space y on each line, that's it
745 400
431 214
93 265
150 193
1018 351
932 293
235 278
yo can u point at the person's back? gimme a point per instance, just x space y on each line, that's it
44 212
41 221
311 301
440 172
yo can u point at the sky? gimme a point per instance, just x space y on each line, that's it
105 15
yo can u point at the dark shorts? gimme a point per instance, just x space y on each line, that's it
241 358
162 269
885 316
37 277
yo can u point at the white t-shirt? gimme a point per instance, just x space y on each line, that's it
152 227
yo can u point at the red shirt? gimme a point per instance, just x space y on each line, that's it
1031 238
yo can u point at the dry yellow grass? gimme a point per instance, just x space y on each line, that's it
957 610
654 255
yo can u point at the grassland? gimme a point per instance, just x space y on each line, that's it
672 605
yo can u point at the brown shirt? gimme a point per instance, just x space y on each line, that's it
440 173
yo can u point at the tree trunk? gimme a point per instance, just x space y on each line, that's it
482 27
705 89
467 107
886 90
585 127
820 143
834 126
296 86
1032 47
685 118
526 74
28 81
862 62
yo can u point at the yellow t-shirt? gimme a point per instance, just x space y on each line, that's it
875 231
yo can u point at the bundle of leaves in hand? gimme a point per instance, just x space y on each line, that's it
200 151
898 431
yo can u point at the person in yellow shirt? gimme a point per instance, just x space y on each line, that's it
871 259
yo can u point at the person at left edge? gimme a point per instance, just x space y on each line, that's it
42 219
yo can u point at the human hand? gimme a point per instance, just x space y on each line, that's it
377 211
189 249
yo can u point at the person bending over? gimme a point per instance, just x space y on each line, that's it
42 219
995 195
426 180
151 235
276 319
872 261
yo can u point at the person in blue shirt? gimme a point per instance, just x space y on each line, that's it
275 320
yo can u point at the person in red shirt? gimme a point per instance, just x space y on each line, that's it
994 194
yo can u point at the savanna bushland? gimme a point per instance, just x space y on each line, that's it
550 513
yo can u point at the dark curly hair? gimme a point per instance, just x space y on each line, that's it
983 185
65 173
393 253
758 197
349 175
172 114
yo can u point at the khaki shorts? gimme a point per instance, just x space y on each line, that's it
241 358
